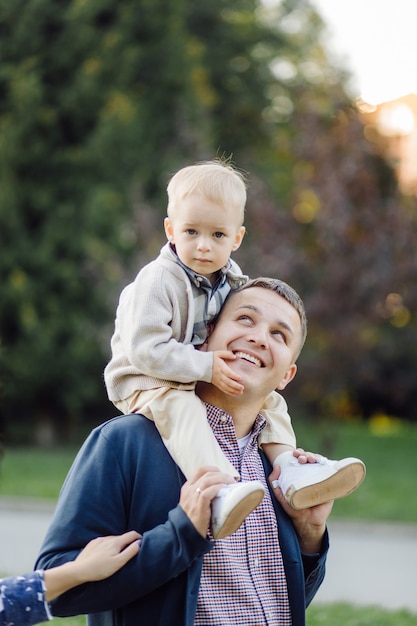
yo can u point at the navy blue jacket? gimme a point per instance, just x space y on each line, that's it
124 479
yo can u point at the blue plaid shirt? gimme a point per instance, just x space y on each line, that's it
208 298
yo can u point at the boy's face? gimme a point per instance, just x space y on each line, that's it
204 234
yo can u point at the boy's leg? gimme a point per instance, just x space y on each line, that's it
123 406
278 435
278 430
304 484
181 419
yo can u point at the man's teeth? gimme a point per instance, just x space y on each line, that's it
249 357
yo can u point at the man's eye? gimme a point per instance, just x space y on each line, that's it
218 235
279 333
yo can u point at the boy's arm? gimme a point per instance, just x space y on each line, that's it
151 328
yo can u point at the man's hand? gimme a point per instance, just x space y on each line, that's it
223 376
198 492
309 524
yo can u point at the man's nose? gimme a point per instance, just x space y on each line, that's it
259 335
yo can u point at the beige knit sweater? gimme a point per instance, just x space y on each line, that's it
153 330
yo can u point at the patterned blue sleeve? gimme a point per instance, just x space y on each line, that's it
22 600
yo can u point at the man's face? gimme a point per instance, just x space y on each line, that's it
263 330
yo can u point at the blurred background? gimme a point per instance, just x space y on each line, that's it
102 101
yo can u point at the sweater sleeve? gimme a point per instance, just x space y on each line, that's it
22 600
151 324
315 569
110 489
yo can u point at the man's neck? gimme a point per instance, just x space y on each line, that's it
243 412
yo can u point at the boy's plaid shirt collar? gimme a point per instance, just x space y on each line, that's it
197 279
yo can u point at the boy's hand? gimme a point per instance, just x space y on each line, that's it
223 376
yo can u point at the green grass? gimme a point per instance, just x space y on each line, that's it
389 450
346 615
80 620
34 472
325 615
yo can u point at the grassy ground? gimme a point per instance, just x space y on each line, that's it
345 615
33 472
325 615
389 450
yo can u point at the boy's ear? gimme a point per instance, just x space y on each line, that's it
238 238
169 231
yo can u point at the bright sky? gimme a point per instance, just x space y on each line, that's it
377 41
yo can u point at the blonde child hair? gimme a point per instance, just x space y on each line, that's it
218 181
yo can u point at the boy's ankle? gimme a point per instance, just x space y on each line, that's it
284 458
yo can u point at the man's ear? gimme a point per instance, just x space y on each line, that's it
238 238
289 375
169 231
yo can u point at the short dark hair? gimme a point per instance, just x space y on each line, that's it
288 293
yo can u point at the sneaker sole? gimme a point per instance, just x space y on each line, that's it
239 513
345 480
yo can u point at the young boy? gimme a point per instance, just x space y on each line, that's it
161 319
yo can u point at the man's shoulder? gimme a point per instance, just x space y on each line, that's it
134 441
128 430
125 422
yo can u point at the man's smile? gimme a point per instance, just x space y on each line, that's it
249 357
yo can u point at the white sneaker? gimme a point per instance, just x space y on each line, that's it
232 505
308 484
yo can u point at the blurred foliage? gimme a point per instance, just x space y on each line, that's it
100 102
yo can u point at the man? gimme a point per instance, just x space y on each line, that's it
266 572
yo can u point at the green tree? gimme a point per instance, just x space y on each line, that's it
83 113
345 239
100 102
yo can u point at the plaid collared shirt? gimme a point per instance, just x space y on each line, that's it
243 579
208 299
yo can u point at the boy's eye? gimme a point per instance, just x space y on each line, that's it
218 235
191 231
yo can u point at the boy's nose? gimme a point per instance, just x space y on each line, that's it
203 244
